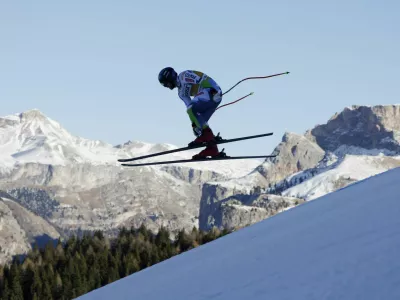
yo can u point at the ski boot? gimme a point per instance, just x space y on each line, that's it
211 151
207 136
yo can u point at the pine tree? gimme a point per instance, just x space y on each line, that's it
49 253
113 273
143 230
36 286
98 234
103 266
75 275
1 279
195 237
67 285
213 234
5 293
163 243
27 278
144 256
184 241
155 259
46 292
94 277
57 289
15 283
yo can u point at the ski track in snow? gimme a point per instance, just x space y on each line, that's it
344 245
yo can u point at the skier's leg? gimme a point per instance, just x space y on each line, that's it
216 99
202 108
200 112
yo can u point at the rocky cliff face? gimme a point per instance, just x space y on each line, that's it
244 210
356 143
20 228
234 207
294 154
363 127
89 197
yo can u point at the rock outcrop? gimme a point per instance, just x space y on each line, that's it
358 142
365 127
20 229
295 153
238 209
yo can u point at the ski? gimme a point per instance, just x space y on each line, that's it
197 160
219 140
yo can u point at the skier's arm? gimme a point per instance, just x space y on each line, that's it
184 94
192 116
188 79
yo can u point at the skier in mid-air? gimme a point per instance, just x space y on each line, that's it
207 95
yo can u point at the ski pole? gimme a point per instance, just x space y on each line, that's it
258 77
235 100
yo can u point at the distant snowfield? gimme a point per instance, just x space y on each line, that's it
344 245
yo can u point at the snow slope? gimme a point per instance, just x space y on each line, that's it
344 245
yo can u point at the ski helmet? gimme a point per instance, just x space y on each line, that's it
167 77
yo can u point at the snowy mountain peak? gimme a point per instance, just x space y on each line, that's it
32 123
33 114
32 137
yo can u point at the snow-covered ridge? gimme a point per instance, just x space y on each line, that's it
346 165
32 137
317 182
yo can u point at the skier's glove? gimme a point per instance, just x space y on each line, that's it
196 130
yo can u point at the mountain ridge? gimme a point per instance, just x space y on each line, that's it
76 184
43 164
354 144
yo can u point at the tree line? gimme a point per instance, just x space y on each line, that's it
66 270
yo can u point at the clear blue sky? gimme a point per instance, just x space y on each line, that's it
93 65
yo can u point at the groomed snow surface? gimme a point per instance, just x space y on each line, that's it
344 245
